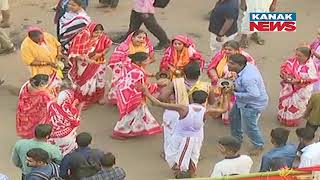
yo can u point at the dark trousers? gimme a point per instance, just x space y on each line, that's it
111 3
137 19
23 177
314 127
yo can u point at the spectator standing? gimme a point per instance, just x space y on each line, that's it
42 133
223 23
311 151
233 163
251 100
252 6
143 13
108 170
287 152
83 161
39 160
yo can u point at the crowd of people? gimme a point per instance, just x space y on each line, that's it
68 75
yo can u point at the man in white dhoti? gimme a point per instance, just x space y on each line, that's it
251 6
184 147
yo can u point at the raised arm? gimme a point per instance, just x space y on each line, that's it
181 109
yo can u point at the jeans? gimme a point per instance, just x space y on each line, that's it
137 19
246 119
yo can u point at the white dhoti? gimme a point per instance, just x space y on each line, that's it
216 46
183 150
252 6
4 5
169 122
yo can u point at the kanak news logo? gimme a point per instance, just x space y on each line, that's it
273 22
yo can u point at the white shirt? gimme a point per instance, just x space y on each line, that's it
238 165
310 155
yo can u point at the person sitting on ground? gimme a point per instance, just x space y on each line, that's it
312 112
233 163
279 137
39 160
108 170
311 150
42 134
83 161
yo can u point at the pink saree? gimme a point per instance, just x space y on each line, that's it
135 117
294 97
119 59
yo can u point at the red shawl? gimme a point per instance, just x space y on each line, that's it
31 111
64 116
129 98
120 54
82 45
168 57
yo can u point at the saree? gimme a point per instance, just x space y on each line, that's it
64 118
119 58
31 110
294 98
46 52
315 45
70 24
135 117
219 64
188 54
88 78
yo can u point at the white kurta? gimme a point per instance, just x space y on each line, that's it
252 6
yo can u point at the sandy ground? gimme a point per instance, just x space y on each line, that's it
140 156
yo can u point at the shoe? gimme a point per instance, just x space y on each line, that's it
161 46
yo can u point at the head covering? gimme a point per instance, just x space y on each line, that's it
34 28
184 39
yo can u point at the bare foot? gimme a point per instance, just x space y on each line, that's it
163 156
1 81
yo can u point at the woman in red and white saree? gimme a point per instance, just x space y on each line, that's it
34 97
64 118
298 74
137 41
218 69
181 51
88 66
135 117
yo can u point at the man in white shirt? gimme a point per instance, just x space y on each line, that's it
233 163
311 152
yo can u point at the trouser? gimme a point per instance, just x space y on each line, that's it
246 119
23 177
85 4
148 19
216 46
314 127
4 5
5 40
111 3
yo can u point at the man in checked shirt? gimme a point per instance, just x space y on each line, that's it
108 170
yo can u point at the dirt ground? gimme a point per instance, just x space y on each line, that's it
140 157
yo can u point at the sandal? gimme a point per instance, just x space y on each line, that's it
257 39
244 43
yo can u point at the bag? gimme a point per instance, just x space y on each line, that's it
161 3
55 173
